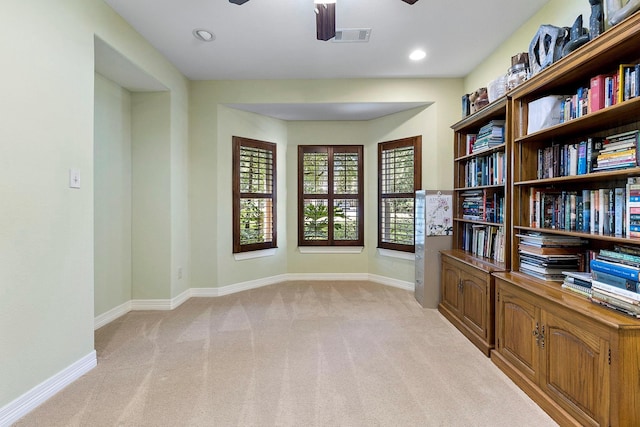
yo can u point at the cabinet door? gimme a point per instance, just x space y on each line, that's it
518 329
451 287
575 369
474 302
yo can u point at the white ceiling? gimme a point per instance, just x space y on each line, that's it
276 39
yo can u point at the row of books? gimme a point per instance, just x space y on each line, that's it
593 154
484 241
482 205
547 256
605 211
613 282
489 136
611 89
604 90
486 170
574 106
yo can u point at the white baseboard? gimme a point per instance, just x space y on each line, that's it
395 283
238 287
160 304
111 315
170 304
24 404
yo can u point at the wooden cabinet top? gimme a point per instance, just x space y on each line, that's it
483 264
552 292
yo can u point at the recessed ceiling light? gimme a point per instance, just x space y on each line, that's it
417 55
204 35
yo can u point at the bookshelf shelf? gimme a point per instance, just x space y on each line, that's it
581 234
495 149
590 177
626 112
480 187
495 110
470 221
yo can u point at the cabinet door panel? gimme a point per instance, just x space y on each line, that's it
517 319
450 287
576 369
474 303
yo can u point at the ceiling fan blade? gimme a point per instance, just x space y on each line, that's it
410 1
325 21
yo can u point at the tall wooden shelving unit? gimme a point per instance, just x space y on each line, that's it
579 361
467 286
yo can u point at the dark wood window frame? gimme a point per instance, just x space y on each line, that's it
238 195
416 143
330 196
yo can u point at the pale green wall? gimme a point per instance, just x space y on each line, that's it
112 195
561 13
211 129
326 133
46 229
410 123
151 192
248 125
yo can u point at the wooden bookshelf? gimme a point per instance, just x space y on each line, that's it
467 286
579 361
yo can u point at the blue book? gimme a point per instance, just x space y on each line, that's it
582 158
619 210
618 282
586 211
624 271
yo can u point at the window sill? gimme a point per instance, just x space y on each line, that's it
409 256
330 249
254 254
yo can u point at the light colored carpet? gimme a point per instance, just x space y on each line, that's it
291 354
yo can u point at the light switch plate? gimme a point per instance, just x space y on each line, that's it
74 178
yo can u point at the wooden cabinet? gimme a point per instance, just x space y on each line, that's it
467 296
578 361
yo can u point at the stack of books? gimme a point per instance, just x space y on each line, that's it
549 257
490 135
473 205
618 152
615 279
578 282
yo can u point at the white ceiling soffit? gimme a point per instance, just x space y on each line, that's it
330 111
116 67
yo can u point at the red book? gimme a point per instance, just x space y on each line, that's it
597 92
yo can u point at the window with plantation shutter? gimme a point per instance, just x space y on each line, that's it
399 176
330 195
254 195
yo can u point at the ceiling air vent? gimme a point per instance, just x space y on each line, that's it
352 35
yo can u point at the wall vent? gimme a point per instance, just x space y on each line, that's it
352 35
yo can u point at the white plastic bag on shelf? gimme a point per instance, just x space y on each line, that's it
545 112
